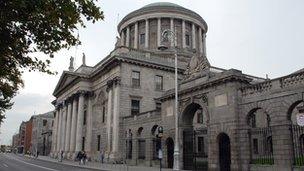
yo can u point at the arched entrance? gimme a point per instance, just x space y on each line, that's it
170 152
194 133
224 152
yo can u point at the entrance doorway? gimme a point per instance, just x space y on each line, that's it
170 152
194 132
224 152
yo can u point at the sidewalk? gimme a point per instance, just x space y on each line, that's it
99 166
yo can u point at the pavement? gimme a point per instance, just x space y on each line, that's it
13 162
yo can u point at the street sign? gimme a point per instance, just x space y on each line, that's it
160 154
300 119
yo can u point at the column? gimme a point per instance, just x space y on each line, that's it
147 34
200 38
122 38
59 130
136 35
54 134
89 128
109 115
204 45
158 32
193 37
183 34
68 129
128 37
116 117
79 122
172 29
64 117
73 127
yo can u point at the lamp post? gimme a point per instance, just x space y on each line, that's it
170 35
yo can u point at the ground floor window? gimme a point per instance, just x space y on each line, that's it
141 149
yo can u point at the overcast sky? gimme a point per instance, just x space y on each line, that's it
258 37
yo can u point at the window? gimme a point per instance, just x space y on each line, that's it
44 122
253 121
200 116
135 107
158 82
85 117
52 123
103 113
142 38
98 142
187 39
83 143
129 148
200 145
135 79
141 149
158 106
255 146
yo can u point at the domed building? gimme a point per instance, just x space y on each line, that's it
124 106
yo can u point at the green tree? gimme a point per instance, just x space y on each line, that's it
29 26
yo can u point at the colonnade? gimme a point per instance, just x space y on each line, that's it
197 45
68 126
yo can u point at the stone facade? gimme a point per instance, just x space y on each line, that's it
227 119
42 133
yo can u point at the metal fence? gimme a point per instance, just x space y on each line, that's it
297 133
261 147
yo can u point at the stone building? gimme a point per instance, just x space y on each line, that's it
227 120
21 137
42 133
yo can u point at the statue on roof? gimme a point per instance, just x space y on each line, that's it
83 59
71 67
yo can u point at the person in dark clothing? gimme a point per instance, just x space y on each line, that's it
79 157
84 157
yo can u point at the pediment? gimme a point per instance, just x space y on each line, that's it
65 80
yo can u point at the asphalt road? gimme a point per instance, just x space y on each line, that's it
12 162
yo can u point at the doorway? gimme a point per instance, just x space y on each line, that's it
224 152
170 152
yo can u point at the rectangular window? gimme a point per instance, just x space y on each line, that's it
141 149
83 143
187 39
135 106
200 145
200 116
158 106
98 142
103 113
129 148
255 146
85 118
142 38
158 82
135 79
44 122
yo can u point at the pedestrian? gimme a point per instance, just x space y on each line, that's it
84 157
79 157
61 156
101 156
37 154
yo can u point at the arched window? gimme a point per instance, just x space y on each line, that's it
141 144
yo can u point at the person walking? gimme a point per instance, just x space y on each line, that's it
101 156
79 157
84 157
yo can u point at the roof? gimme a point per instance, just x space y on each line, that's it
157 4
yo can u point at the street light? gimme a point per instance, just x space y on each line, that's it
170 35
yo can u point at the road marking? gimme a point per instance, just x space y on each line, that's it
46 168
5 165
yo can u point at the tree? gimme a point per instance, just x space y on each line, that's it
29 26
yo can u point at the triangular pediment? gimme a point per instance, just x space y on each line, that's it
66 79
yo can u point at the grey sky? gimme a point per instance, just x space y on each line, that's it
258 37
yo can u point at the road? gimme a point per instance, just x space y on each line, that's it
12 162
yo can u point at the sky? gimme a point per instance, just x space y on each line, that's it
257 37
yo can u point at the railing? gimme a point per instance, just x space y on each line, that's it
297 133
261 146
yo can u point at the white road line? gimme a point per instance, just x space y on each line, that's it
46 168
5 165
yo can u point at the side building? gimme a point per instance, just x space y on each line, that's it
42 133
